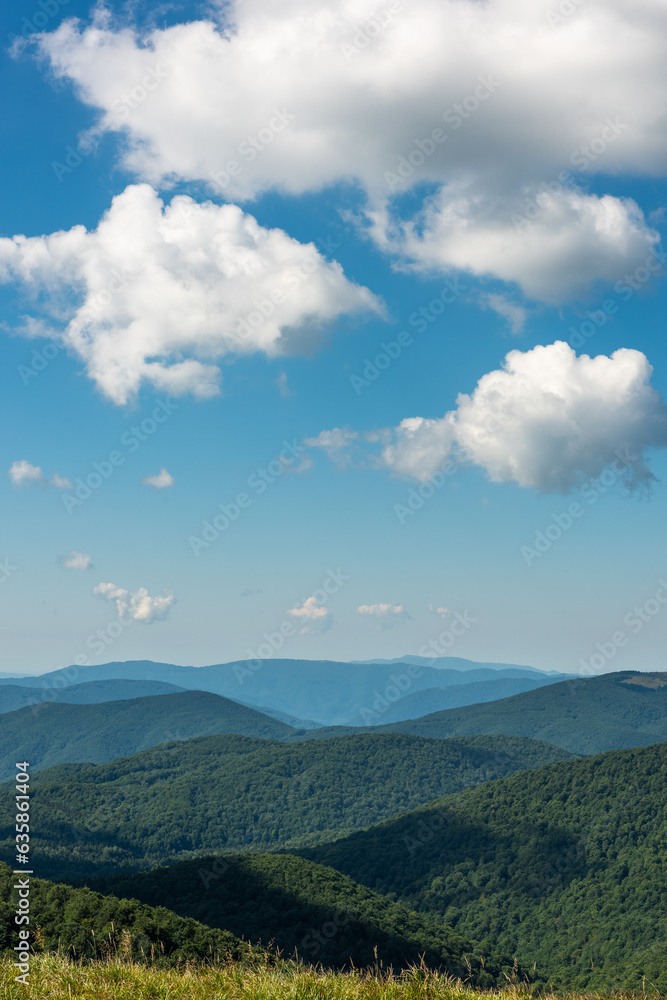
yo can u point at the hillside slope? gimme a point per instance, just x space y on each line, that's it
284 902
61 733
588 716
420 703
296 904
563 866
85 924
226 793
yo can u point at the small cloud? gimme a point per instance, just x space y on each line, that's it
283 387
335 443
159 482
515 314
249 592
23 472
313 617
137 604
60 482
76 560
305 465
440 612
387 615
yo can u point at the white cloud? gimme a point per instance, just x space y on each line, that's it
416 442
76 560
516 99
575 241
313 618
159 482
155 294
440 612
335 443
548 420
387 615
61 482
515 314
137 604
23 472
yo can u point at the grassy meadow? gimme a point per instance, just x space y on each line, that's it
53 977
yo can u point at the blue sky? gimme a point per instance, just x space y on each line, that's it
342 506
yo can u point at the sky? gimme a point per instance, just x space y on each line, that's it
334 331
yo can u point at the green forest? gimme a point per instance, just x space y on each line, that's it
233 793
563 866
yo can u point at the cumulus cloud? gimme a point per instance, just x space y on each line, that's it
137 605
22 472
159 482
386 615
312 617
574 242
156 294
547 420
76 560
283 96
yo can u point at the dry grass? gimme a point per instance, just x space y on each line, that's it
53 977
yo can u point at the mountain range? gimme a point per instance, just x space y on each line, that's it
325 692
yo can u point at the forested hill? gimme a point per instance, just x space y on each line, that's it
614 711
59 733
323 915
231 793
564 866
84 924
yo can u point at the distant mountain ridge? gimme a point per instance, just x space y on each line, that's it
13 696
326 692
